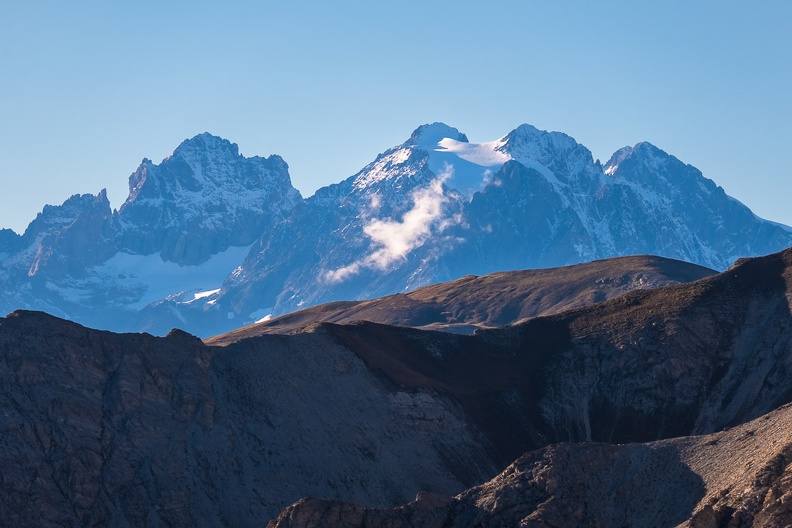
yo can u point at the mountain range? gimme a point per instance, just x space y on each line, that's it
130 429
209 240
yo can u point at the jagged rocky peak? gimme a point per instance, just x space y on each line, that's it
205 142
558 156
654 168
202 199
643 153
528 141
68 234
649 153
8 240
401 167
617 157
67 239
140 184
56 217
202 163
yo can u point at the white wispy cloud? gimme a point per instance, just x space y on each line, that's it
393 239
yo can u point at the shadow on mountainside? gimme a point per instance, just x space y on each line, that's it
678 360
564 485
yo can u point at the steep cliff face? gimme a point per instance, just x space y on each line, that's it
38 268
65 240
676 360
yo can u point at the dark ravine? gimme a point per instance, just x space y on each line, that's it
102 428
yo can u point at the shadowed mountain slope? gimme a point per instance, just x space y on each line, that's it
650 364
103 429
497 299
127 429
739 477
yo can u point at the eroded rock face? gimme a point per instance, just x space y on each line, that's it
740 477
63 240
651 364
107 429
94 425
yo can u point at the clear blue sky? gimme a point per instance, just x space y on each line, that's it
89 88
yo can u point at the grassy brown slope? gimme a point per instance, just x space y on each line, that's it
492 300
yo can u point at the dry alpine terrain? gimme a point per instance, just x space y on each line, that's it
498 299
737 477
128 429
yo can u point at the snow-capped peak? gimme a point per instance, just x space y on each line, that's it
644 151
470 165
428 136
467 167
555 155
484 154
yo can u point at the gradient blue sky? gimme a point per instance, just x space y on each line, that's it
88 89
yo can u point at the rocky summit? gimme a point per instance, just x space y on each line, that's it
186 224
209 240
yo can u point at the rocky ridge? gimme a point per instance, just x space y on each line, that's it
127 429
494 300
103 428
